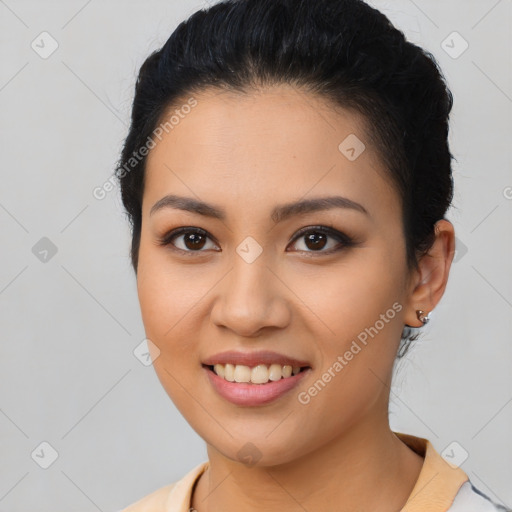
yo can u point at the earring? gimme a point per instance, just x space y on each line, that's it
422 317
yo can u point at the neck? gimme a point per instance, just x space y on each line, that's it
366 468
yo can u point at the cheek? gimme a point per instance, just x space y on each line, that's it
170 303
359 305
169 313
167 294
362 310
351 296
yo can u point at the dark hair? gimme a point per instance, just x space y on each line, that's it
343 50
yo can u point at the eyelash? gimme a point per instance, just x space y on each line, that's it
343 239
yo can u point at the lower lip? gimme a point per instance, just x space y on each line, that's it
244 393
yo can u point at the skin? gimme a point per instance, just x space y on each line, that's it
246 154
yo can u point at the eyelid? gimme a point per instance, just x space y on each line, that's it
328 230
166 239
343 239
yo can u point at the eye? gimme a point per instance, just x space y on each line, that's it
193 239
316 238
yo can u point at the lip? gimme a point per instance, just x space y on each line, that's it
253 359
251 395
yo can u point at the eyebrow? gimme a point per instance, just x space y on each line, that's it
279 213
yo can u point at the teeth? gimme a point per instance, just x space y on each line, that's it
219 370
229 372
276 372
242 373
260 374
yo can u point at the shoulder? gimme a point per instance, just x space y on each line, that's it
174 497
470 499
152 502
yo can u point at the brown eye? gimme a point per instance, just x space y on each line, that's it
315 241
192 239
317 238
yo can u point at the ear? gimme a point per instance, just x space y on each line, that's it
429 281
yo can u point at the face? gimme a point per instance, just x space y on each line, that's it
273 285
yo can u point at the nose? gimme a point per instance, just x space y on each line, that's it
250 298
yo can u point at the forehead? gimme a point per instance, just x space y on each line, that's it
270 145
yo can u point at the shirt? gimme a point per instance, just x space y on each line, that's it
440 487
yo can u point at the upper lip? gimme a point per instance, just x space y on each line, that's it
253 359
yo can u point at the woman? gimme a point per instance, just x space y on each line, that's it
287 174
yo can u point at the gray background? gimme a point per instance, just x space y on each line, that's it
70 321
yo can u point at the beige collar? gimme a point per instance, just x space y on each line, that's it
434 491
438 481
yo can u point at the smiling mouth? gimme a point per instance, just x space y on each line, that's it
260 374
